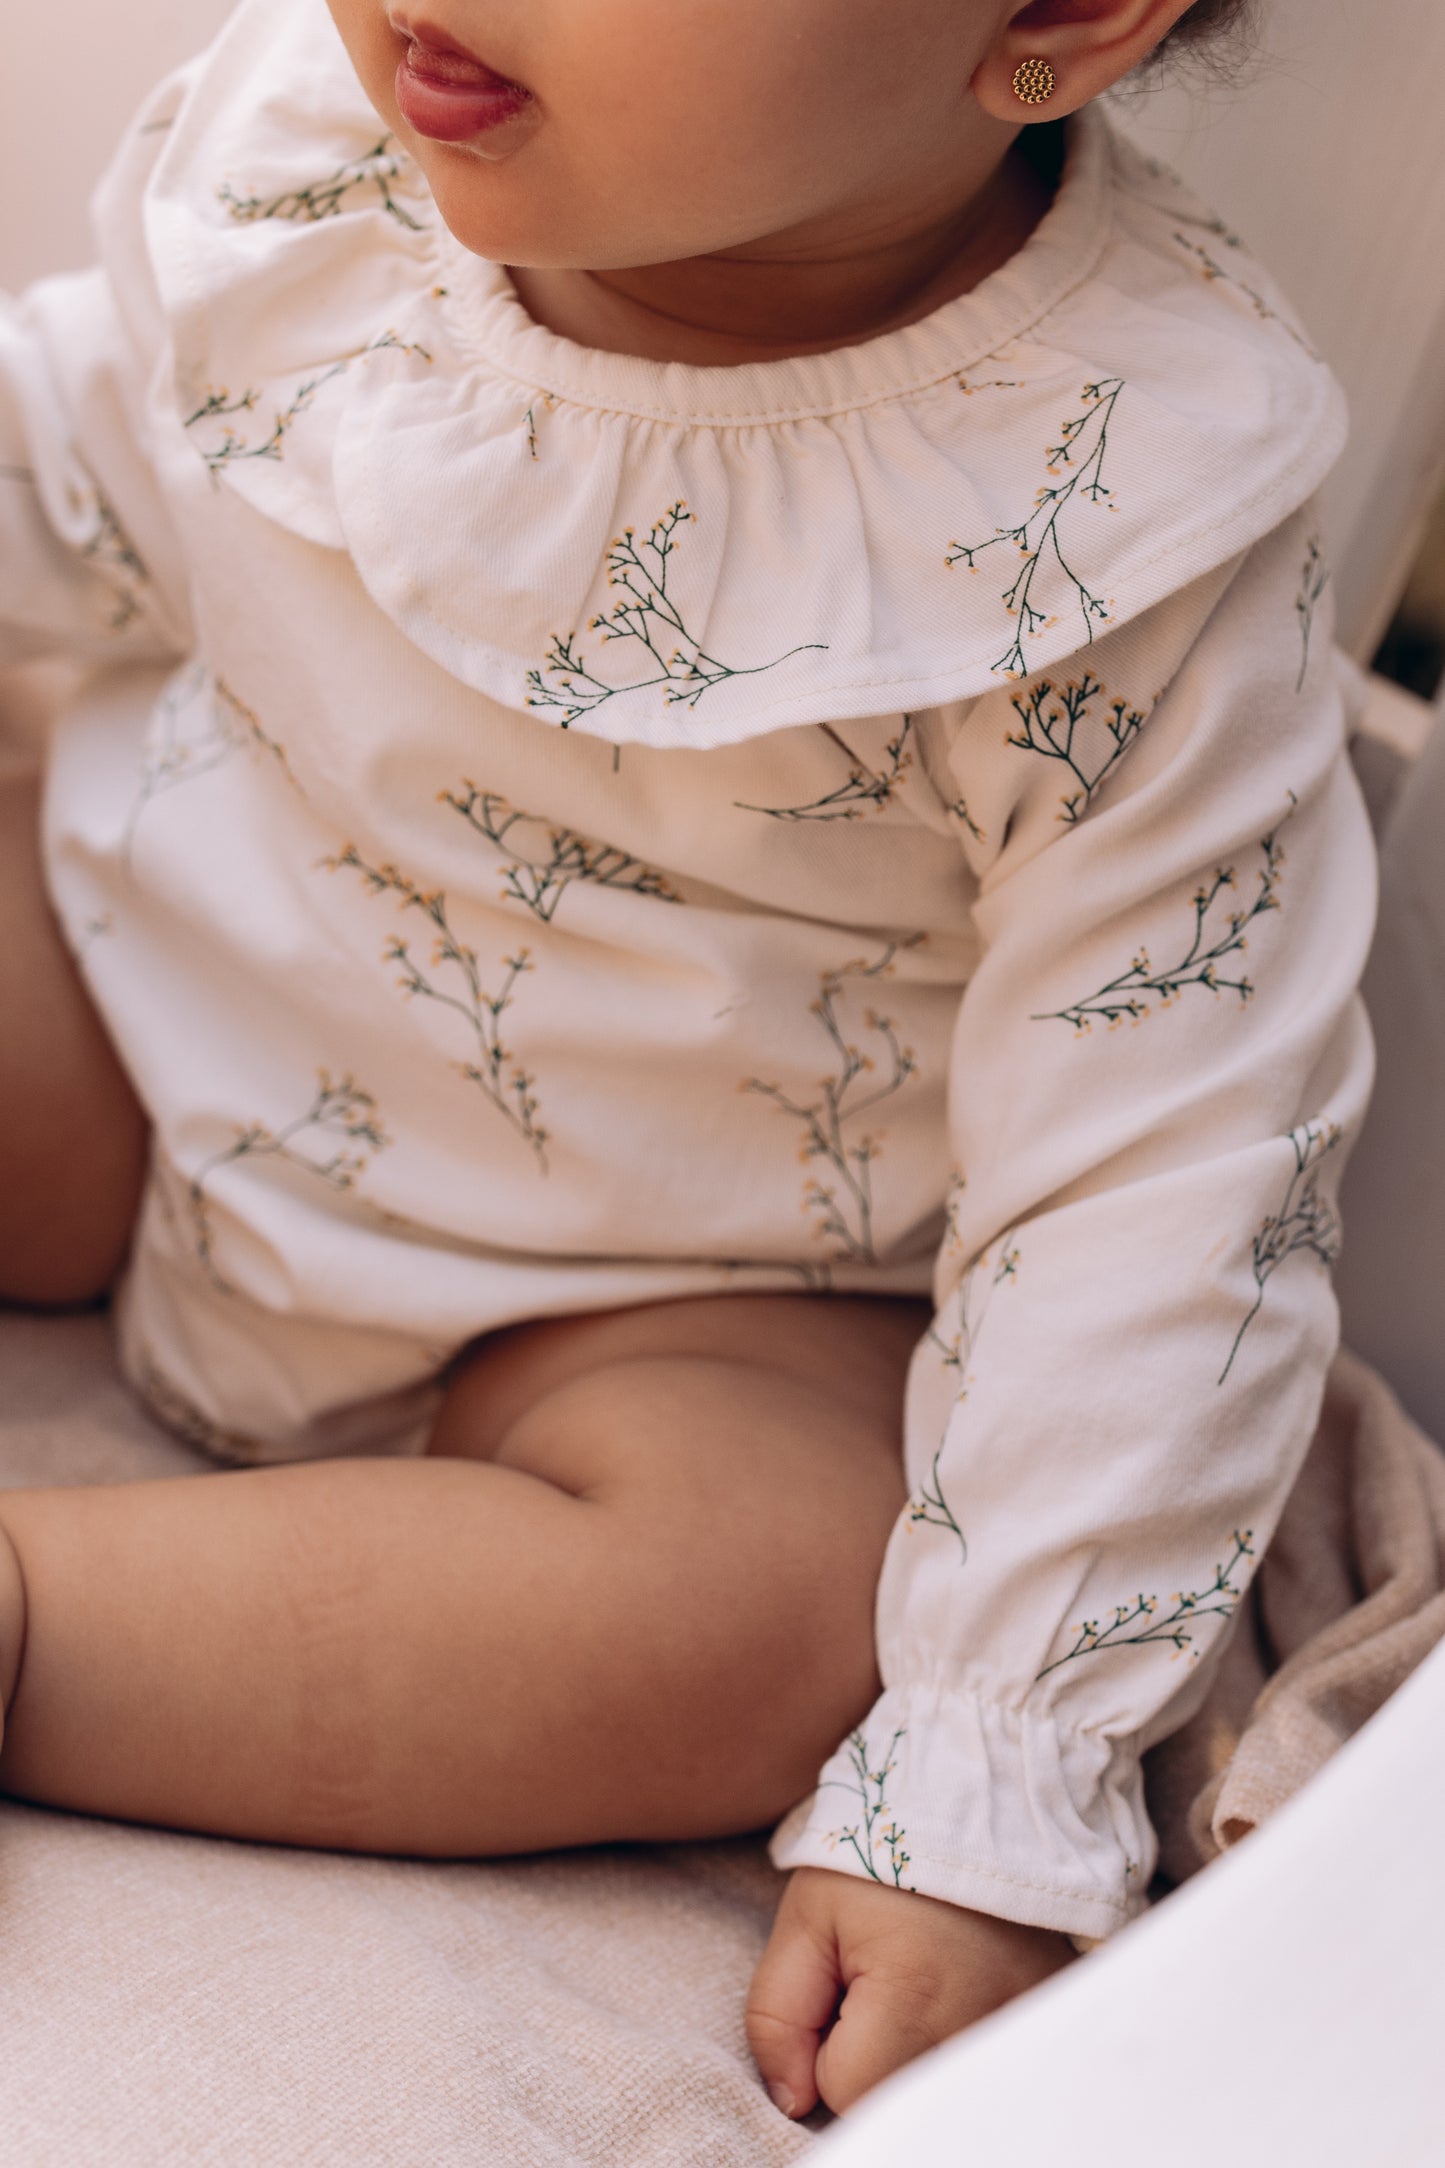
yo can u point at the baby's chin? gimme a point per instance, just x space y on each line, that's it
510 226
496 208
531 210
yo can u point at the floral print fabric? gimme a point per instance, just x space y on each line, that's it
550 830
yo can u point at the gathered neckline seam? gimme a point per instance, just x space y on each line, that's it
462 312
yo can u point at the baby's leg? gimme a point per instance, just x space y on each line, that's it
629 1595
72 1134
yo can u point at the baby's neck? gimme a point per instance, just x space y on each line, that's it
751 305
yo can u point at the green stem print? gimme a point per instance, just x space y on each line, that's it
377 168
649 616
249 728
549 400
504 1081
960 812
876 1834
992 383
114 555
1210 269
1217 935
813 1279
1085 442
1314 579
1221 1599
220 406
1305 1220
862 792
1184 211
540 876
340 1113
844 1204
1062 726
929 1507
179 749
953 1207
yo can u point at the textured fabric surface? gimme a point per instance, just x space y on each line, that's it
173 2002
1349 1600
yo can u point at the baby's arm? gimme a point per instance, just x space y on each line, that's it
90 563
1159 1066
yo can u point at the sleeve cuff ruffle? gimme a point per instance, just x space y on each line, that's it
984 1806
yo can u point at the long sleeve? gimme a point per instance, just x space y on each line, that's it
1156 1072
90 564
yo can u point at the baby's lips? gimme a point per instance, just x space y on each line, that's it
440 58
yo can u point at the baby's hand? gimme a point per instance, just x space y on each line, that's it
911 1972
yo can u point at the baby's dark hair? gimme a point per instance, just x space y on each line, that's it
1208 25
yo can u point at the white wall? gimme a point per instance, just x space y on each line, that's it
58 126
1327 158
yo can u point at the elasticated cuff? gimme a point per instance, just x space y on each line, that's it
983 1806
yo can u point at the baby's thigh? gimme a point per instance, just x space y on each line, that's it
744 1456
72 1133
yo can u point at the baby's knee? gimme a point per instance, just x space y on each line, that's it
737 1551
65 1232
746 1730
732 1515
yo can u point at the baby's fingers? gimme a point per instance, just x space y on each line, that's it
793 1996
883 2024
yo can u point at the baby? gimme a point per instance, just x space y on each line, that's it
702 984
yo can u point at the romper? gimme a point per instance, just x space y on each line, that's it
550 830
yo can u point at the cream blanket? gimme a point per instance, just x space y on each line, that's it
172 2002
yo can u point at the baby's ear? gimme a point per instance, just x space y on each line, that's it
1050 57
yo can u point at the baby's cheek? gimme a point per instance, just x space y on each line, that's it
662 132
659 133
374 49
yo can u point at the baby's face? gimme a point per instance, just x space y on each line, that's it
650 131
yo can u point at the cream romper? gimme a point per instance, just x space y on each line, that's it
550 830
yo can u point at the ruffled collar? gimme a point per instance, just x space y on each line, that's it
684 555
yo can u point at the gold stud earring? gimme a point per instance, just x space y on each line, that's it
1034 82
